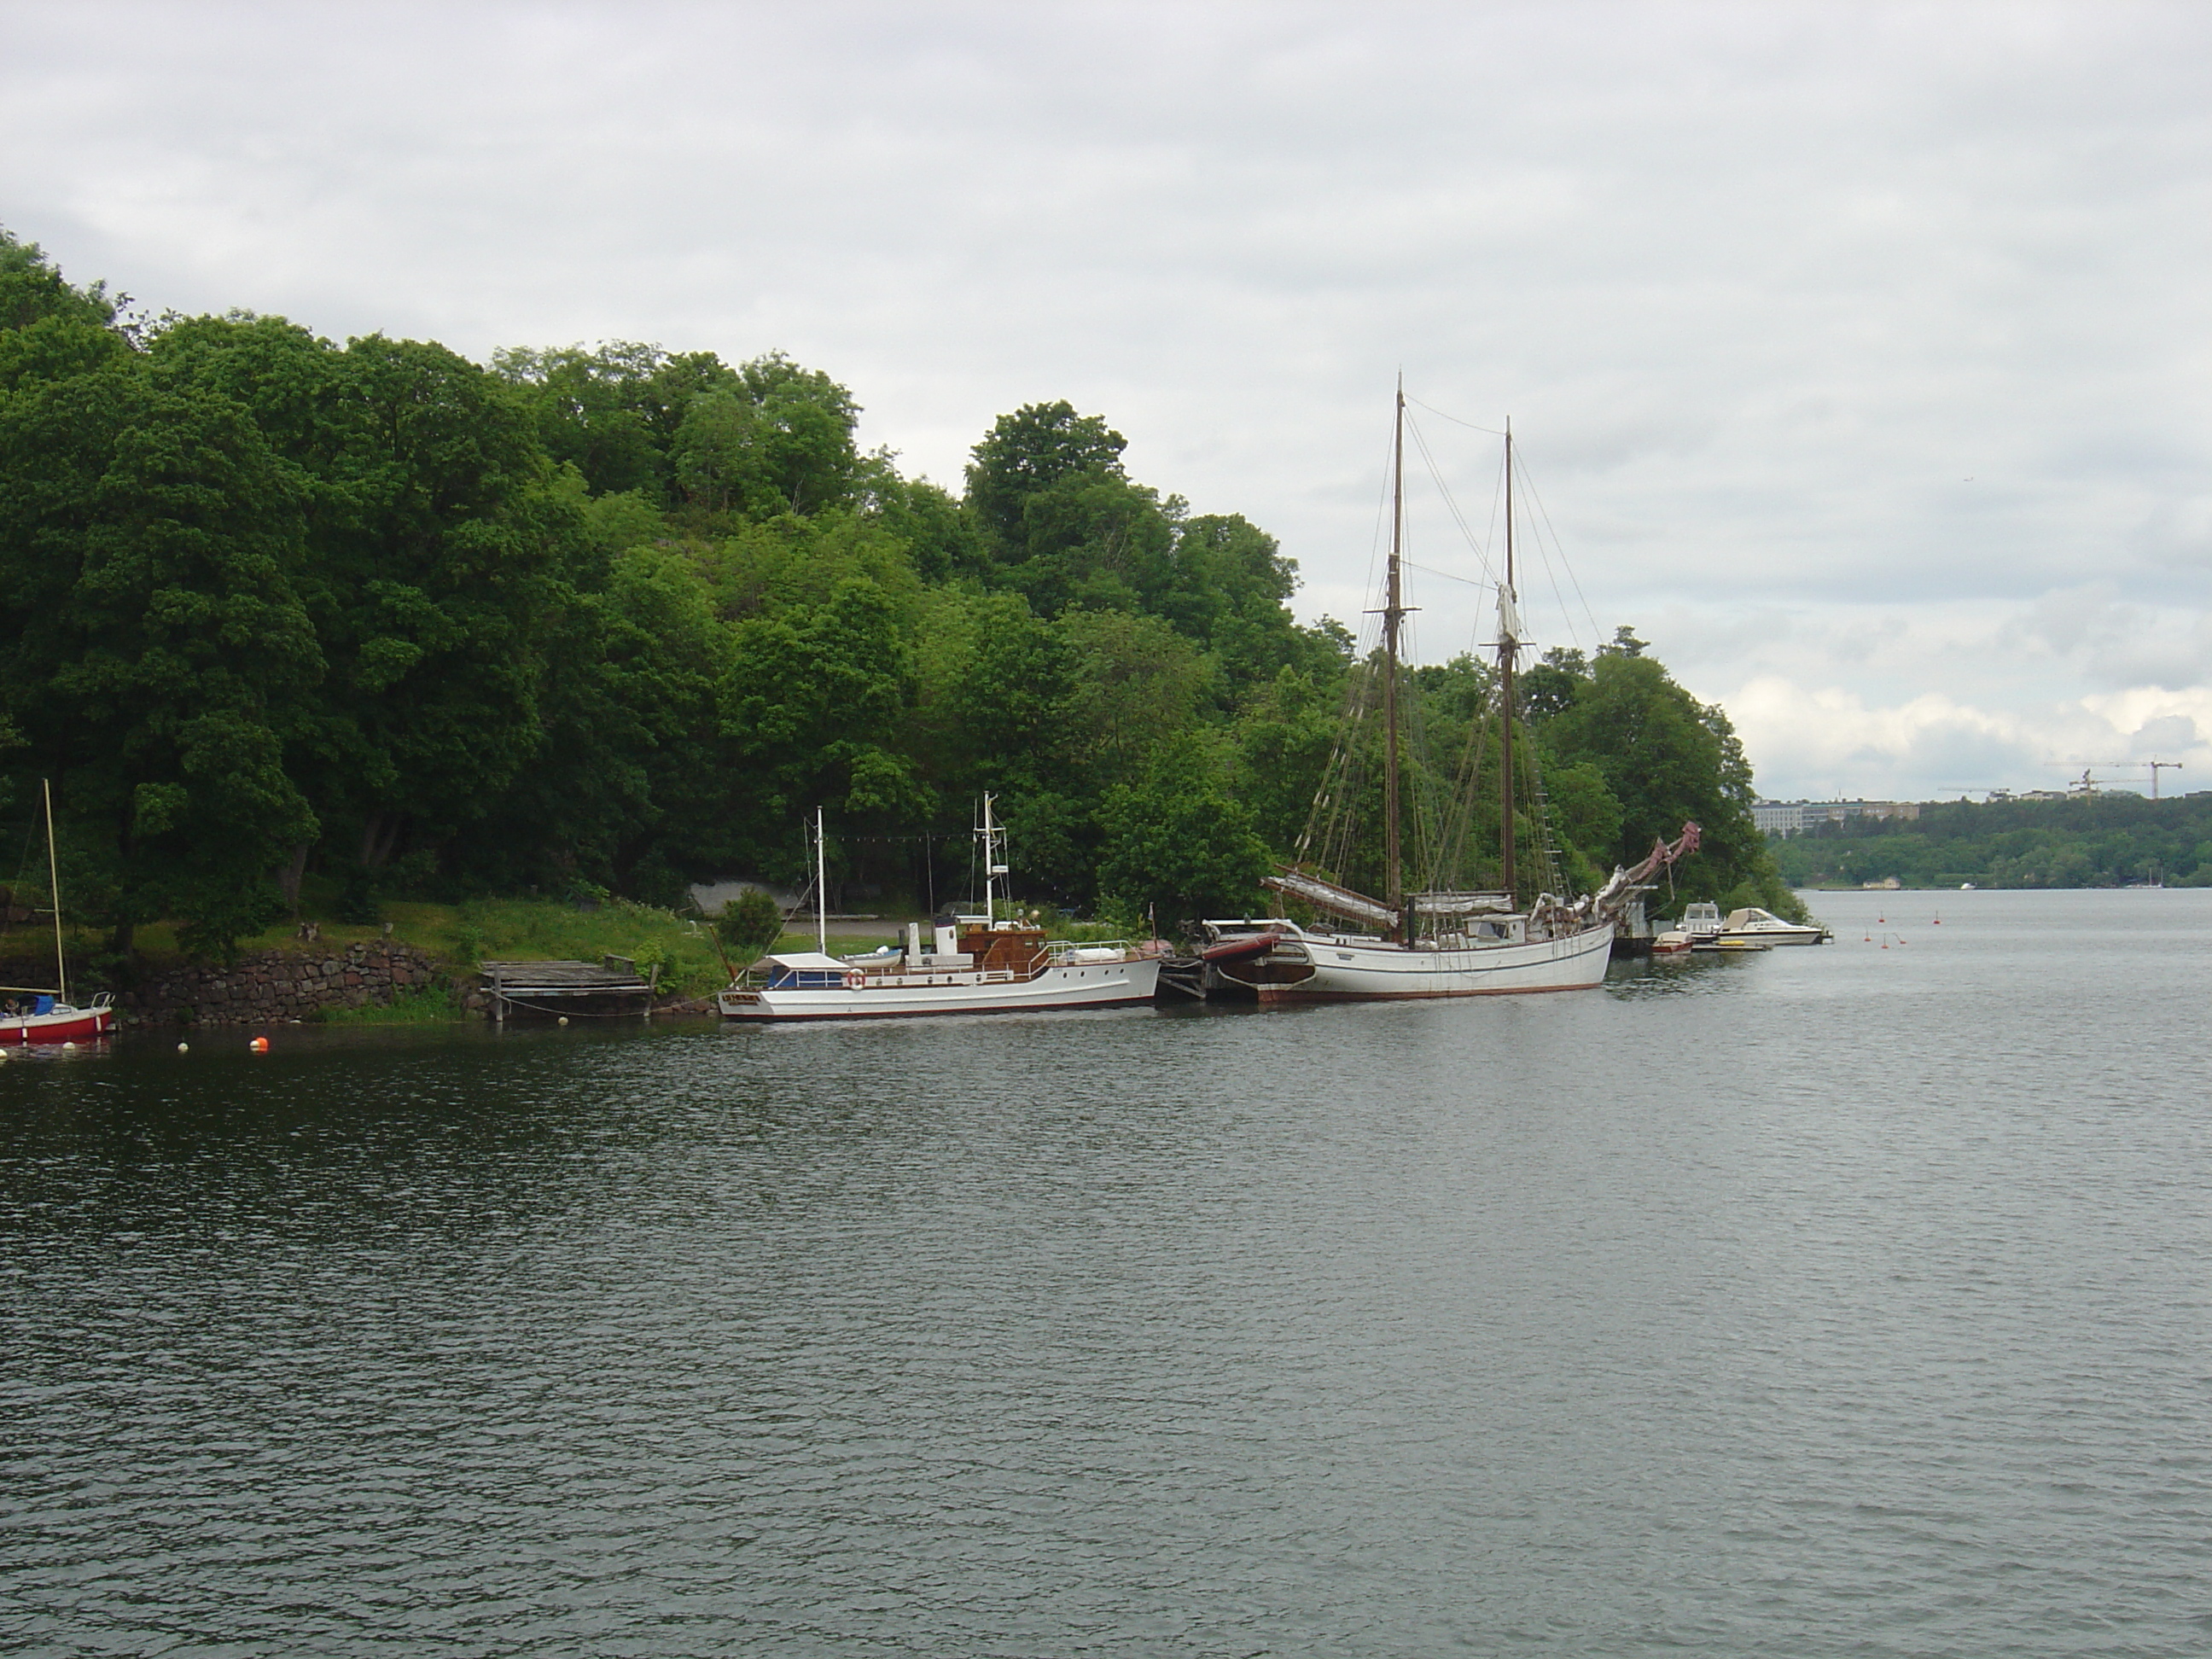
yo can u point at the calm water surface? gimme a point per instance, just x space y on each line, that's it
1839 1301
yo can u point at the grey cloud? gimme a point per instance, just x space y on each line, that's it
1763 287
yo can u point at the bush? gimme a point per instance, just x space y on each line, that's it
749 924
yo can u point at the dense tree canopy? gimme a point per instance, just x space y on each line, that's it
285 616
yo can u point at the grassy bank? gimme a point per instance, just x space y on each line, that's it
462 937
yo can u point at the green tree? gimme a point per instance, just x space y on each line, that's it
1665 758
50 330
777 440
156 647
1030 451
612 413
1177 841
1132 685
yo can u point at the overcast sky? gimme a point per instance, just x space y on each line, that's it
1859 353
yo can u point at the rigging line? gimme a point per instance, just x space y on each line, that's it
1597 634
1552 576
1452 504
1551 573
1430 570
1456 420
1376 537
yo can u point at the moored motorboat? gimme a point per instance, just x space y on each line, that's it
1765 927
985 963
1701 921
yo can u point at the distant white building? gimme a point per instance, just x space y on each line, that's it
1790 817
1778 817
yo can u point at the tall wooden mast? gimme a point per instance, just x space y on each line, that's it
54 885
1394 611
1509 628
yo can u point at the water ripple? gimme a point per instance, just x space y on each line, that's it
1829 1303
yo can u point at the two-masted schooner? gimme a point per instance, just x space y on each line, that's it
1433 943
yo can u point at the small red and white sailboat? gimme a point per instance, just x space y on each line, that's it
38 1013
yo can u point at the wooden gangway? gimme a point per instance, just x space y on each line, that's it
547 990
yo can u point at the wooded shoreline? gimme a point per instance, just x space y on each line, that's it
304 628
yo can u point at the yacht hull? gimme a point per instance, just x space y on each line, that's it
1785 935
1081 985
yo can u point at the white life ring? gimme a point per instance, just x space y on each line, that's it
855 980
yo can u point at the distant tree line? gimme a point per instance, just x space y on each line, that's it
2105 840
284 616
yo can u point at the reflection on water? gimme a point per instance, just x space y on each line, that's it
1835 1300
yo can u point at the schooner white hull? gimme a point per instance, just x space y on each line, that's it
1365 969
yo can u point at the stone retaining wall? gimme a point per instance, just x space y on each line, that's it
273 986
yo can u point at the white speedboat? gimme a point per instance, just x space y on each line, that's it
1757 927
980 964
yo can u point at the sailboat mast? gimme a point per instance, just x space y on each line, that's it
54 886
990 864
1508 625
1394 611
821 889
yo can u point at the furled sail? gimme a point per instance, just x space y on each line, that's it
1336 900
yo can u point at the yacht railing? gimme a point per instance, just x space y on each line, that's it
1056 953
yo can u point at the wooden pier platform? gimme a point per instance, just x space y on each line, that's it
549 990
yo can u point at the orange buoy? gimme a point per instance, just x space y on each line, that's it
260 1045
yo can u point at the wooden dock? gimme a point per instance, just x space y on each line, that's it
552 990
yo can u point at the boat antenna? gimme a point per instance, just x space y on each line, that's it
1509 627
54 886
1394 612
821 889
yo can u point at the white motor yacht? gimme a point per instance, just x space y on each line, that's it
1765 927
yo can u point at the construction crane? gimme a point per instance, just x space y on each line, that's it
2086 784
